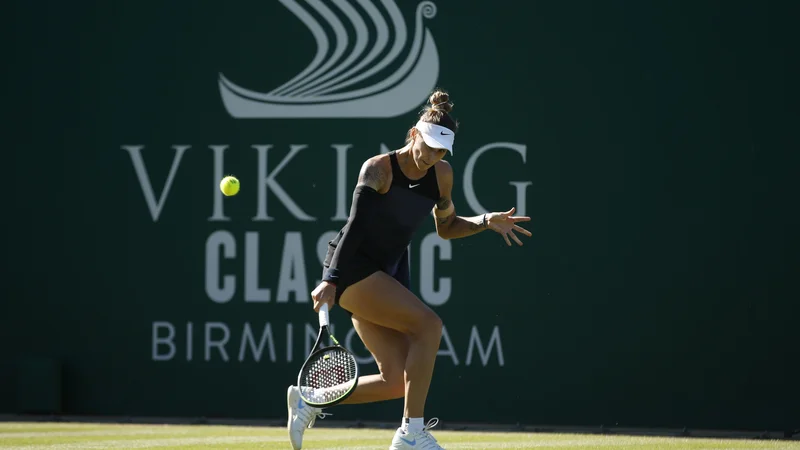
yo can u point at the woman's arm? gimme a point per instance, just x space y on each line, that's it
448 224
452 226
372 179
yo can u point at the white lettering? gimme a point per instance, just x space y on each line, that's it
253 293
348 343
248 339
450 351
219 215
219 239
220 345
168 341
430 294
522 188
494 339
469 169
310 337
289 341
312 334
217 335
341 181
189 339
292 276
268 180
153 204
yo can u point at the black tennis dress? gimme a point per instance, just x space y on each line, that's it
398 215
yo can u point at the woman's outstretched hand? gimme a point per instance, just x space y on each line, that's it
506 224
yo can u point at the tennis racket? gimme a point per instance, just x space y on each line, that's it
330 373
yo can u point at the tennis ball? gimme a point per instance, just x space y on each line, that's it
229 185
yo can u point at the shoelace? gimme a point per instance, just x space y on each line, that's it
431 423
432 443
323 415
314 417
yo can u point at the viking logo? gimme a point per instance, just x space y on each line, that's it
336 84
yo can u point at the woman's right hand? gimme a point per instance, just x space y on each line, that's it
324 293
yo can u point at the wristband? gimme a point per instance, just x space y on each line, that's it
331 276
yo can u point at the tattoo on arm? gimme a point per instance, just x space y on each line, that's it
474 226
372 175
444 207
465 226
451 226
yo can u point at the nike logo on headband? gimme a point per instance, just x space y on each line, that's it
444 134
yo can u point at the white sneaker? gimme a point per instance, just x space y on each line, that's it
301 416
416 441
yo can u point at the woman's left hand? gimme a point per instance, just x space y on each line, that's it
505 224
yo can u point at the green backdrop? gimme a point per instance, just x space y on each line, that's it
654 145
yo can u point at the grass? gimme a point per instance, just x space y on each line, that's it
43 435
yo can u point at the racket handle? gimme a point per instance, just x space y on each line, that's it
323 315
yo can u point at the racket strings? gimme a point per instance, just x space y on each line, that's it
328 377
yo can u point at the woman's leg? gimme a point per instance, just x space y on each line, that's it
383 301
389 348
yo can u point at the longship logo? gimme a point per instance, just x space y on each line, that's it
374 76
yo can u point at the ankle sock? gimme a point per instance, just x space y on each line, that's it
413 425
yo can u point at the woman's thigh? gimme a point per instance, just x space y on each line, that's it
382 300
388 347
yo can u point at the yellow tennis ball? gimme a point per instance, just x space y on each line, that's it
229 186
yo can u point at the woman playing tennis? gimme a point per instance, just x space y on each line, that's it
366 271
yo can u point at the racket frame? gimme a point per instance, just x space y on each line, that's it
324 330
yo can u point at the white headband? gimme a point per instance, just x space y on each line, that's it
436 136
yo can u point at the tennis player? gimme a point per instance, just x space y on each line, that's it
366 271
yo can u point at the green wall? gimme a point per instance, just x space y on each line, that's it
654 145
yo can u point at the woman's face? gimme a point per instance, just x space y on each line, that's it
425 157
